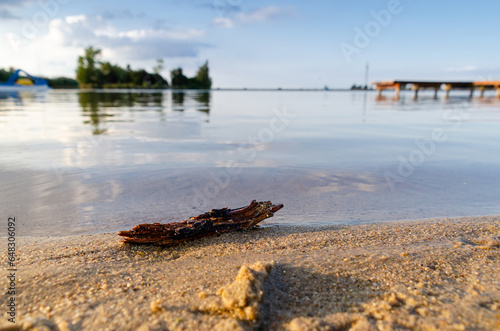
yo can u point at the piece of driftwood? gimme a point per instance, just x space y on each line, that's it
213 222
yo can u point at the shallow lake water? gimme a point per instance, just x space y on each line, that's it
83 162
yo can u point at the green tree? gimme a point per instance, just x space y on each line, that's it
87 73
112 74
158 67
203 77
91 73
177 79
139 78
62 82
4 75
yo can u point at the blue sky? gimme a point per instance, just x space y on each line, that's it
260 43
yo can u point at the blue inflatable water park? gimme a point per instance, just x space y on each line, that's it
20 80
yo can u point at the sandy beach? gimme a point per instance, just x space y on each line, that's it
440 274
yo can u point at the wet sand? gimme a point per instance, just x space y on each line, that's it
440 274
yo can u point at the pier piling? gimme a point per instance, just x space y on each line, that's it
398 85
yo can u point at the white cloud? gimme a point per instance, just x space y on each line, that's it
223 22
59 46
468 68
264 14
75 19
177 34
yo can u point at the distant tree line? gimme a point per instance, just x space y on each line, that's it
92 73
61 82
5 74
359 87
57 82
202 79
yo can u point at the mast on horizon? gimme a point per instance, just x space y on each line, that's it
366 74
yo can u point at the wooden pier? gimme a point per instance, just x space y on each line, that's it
447 86
488 85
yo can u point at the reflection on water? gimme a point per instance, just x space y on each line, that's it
105 160
178 100
99 107
91 108
204 99
122 99
95 104
7 95
199 100
21 97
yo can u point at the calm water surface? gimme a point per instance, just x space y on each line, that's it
80 162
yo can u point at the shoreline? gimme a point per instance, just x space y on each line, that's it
270 223
110 201
420 275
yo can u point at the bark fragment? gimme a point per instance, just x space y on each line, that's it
213 222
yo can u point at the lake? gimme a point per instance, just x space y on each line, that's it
85 162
